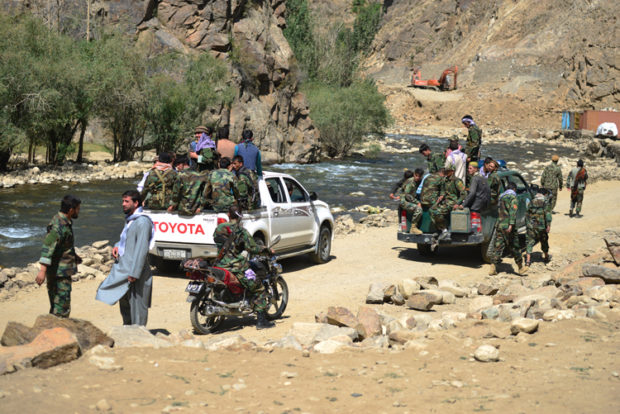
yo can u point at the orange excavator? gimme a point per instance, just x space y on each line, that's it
446 82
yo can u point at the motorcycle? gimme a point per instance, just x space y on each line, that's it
215 293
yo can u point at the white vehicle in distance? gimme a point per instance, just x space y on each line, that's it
304 223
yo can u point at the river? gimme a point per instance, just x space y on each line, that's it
26 210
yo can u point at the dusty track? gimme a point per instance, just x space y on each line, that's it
566 367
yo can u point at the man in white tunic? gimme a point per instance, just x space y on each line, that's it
130 282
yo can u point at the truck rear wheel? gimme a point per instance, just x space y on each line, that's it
425 250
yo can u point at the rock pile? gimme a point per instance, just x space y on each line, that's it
377 217
96 264
74 173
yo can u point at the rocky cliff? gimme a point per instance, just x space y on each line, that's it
519 61
247 34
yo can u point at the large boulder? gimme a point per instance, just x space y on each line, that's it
340 316
369 322
87 334
51 347
608 274
130 336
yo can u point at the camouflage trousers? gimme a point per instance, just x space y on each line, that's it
439 215
59 292
413 213
534 236
577 200
260 298
502 240
554 197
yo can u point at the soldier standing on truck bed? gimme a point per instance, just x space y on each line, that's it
505 234
454 194
187 189
221 190
435 162
157 191
493 180
474 138
552 179
247 185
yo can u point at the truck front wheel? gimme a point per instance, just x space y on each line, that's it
323 246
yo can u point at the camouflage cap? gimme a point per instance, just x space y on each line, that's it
555 158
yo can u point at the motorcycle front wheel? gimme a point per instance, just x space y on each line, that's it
278 292
203 324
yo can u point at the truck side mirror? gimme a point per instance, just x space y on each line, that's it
313 196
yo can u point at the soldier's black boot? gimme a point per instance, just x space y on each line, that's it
262 322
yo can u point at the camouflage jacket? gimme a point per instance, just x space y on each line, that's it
432 189
538 215
435 162
247 187
507 210
207 159
232 257
220 190
455 191
187 191
474 141
158 187
551 177
407 191
494 185
58 251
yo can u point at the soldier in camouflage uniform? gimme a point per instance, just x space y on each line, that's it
474 138
538 222
236 246
552 179
187 189
221 189
158 187
494 182
576 182
435 162
453 195
505 233
59 262
432 189
247 185
409 201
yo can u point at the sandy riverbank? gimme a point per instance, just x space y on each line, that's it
557 369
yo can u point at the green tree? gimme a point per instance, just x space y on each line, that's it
366 26
44 83
177 105
346 115
300 36
121 73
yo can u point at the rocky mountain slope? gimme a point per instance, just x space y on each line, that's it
520 62
247 34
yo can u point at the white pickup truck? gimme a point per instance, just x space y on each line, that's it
304 224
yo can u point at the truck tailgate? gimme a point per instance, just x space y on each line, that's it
170 227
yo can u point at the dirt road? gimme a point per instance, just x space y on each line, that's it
569 366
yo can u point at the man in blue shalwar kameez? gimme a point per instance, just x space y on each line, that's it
130 282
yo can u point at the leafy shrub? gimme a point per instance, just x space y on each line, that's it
346 115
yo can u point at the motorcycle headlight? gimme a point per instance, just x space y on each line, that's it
278 267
